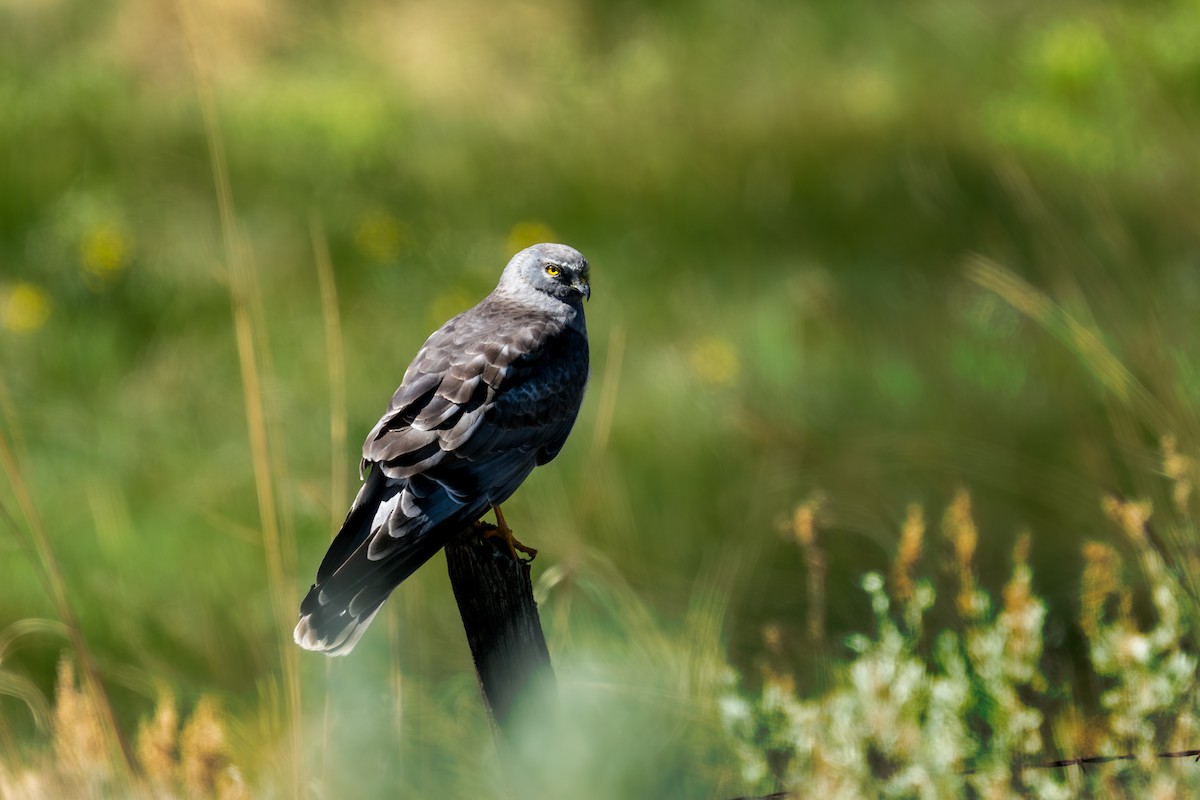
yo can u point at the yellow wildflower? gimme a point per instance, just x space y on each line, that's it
24 308
103 251
714 361
380 236
526 234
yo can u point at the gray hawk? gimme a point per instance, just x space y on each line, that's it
492 394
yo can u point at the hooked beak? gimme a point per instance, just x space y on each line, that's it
584 288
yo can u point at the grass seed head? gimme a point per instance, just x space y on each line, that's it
959 527
203 752
1132 516
80 746
1180 470
158 742
912 537
1101 580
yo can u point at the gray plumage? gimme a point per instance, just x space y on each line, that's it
492 394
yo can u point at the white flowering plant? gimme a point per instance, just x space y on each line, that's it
964 710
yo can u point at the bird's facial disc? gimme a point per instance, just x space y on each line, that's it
552 269
568 276
557 270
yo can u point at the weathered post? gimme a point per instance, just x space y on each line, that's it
495 600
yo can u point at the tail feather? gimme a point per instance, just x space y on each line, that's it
324 636
378 546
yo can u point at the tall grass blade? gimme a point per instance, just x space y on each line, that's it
1085 343
336 361
46 562
338 470
249 327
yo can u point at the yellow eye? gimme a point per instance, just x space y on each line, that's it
553 271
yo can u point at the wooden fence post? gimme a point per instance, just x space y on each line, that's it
495 599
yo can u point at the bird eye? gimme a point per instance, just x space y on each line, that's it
553 271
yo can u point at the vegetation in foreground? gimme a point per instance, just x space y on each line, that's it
909 711
968 710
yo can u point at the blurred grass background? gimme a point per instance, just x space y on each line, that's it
782 204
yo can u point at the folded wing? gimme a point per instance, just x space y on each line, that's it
491 395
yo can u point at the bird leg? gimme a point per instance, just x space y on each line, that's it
508 542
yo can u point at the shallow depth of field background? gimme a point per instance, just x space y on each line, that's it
875 254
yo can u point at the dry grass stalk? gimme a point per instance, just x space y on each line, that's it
1101 581
204 760
81 749
1086 343
772 635
1022 613
80 764
959 527
336 363
1018 593
1131 516
158 742
804 528
1180 470
37 545
912 537
249 327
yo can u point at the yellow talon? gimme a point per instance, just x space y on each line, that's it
507 541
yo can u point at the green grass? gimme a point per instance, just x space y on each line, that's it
871 255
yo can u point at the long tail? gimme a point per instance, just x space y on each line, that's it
393 528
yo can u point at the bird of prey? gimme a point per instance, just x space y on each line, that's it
492 394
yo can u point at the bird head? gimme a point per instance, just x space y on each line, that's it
553 269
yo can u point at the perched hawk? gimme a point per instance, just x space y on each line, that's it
491 395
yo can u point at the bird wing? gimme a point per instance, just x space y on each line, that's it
490 395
